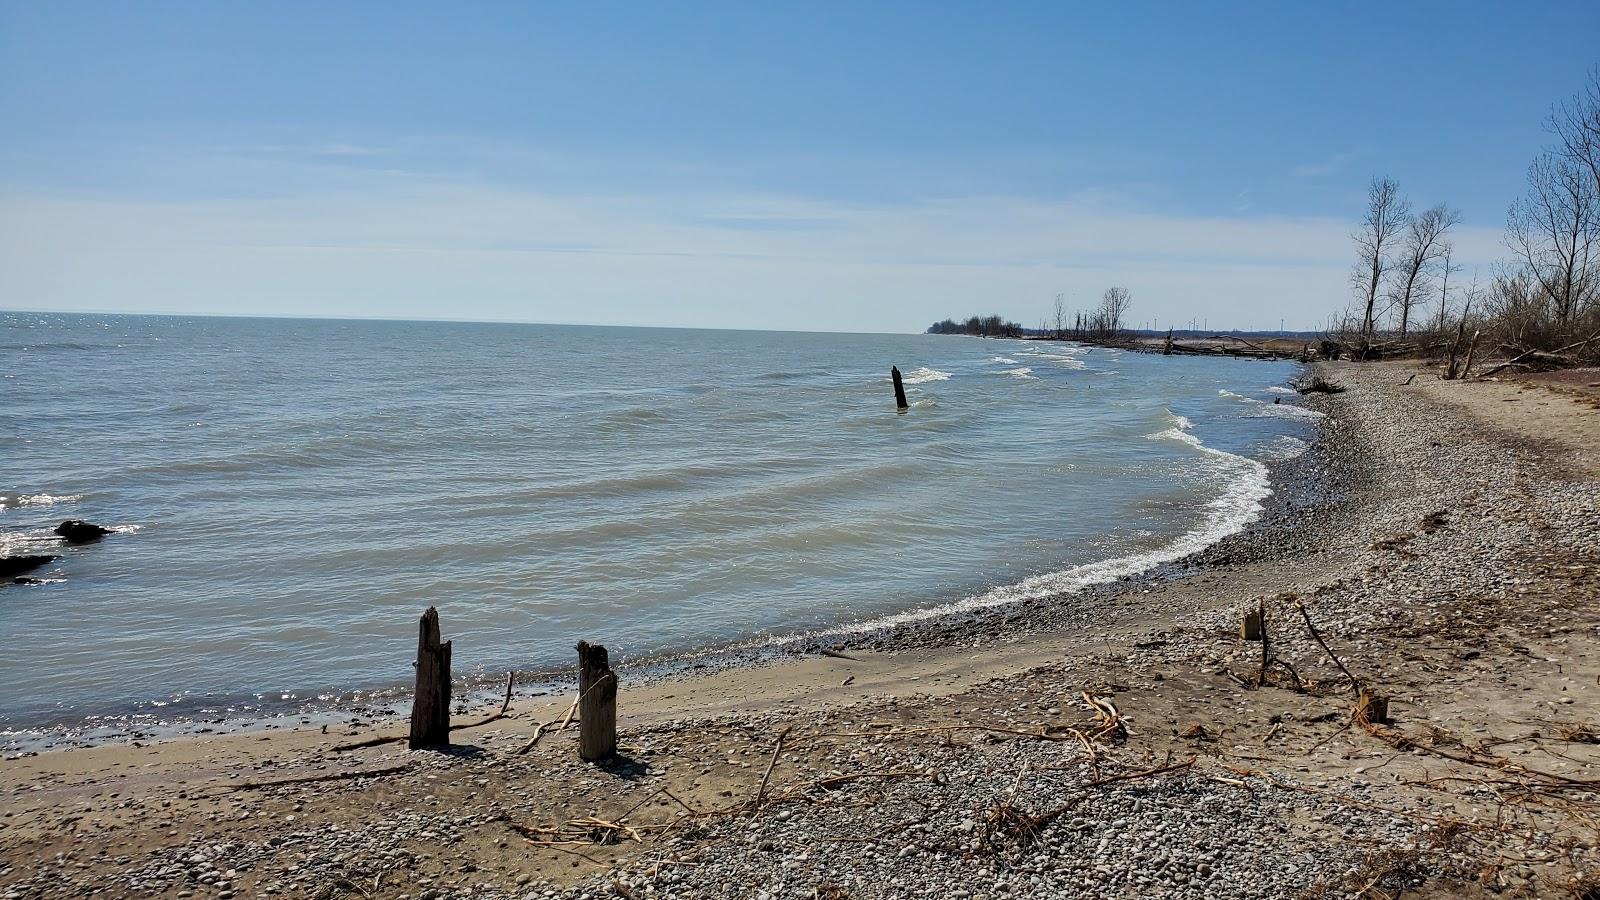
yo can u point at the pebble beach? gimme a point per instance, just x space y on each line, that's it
1439 545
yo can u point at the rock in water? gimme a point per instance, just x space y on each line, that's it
77 531
16 565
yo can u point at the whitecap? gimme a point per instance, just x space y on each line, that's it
1064 360
922 375
1022 372
1002 360
47 499
1280 389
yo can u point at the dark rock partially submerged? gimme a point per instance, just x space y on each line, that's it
77 531
16 565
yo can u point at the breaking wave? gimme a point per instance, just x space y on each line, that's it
1245 486
40 500
1261 409
923 375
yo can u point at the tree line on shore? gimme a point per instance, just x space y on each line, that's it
1103 321
1543 296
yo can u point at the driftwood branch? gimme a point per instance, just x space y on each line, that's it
1554 356
1355 683
777 750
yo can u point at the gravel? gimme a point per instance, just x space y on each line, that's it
1396 531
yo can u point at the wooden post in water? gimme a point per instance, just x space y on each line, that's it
597 703
430 706
1166 349
899 389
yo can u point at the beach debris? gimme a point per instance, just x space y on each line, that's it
1355 683
16 565
1539 359
430 707
899 389
597 703
539 732
1109 723
1318 385
836 654
777 750
77 531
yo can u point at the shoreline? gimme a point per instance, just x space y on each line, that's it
1452 558
1295 485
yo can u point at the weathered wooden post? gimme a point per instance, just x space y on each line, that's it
1250 628
430 706
597 703
899 389
1472 348
1372 708
1455 347
1166 348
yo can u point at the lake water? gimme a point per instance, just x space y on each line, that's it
291 494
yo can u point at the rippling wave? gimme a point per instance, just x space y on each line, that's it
288 496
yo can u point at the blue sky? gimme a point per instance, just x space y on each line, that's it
819 166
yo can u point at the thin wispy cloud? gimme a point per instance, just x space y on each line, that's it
1321 169
319 237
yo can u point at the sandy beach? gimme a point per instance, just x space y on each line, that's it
1443 538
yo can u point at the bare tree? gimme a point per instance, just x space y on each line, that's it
1446 269
1554 230
1421 247
1114 304
1386 217
1061 316
1576 125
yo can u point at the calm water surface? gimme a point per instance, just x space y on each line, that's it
293 493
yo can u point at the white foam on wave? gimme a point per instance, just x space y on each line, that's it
1022 372
47 499
1065 358
1284 411
1285 446
1280 389
1003 360
1245 487
923 375
1261 409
